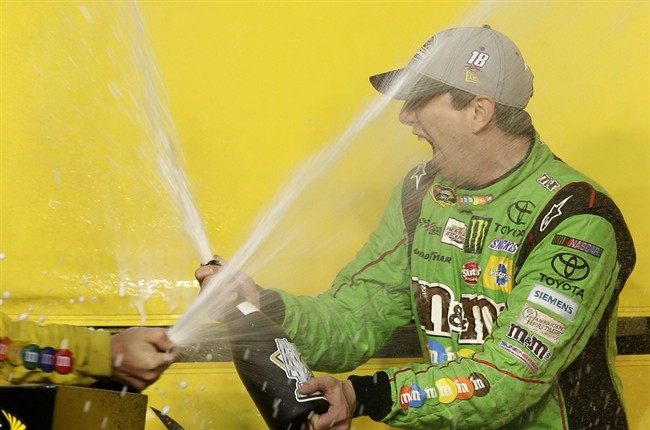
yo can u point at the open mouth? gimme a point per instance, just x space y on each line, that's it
433 146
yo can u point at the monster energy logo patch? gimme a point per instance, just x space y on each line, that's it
476 234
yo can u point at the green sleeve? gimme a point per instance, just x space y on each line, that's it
519 362
345 326
90 351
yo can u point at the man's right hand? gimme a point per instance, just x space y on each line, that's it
341 397
243 288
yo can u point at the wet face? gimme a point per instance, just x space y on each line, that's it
447 130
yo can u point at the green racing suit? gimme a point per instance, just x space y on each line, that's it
513 289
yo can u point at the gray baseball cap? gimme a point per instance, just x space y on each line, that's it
478 60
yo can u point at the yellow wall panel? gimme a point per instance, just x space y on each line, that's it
634 371
246 91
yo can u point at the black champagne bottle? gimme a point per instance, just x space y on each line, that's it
271 369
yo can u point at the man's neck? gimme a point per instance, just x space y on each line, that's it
498 157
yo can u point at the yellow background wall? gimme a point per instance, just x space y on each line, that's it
88 234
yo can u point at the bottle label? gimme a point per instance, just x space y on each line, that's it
288 358
247 308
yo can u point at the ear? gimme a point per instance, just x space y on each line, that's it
482 109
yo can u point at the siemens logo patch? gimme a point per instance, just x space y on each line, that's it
554 301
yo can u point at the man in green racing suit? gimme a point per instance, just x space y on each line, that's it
509 261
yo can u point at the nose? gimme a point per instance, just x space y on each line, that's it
407 115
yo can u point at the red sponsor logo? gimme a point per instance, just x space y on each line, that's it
405 396
471 272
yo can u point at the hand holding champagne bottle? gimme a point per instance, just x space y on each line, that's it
342 400
268 363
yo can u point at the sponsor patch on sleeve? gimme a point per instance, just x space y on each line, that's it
521 355
542 324
581 245
444 390
555 302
